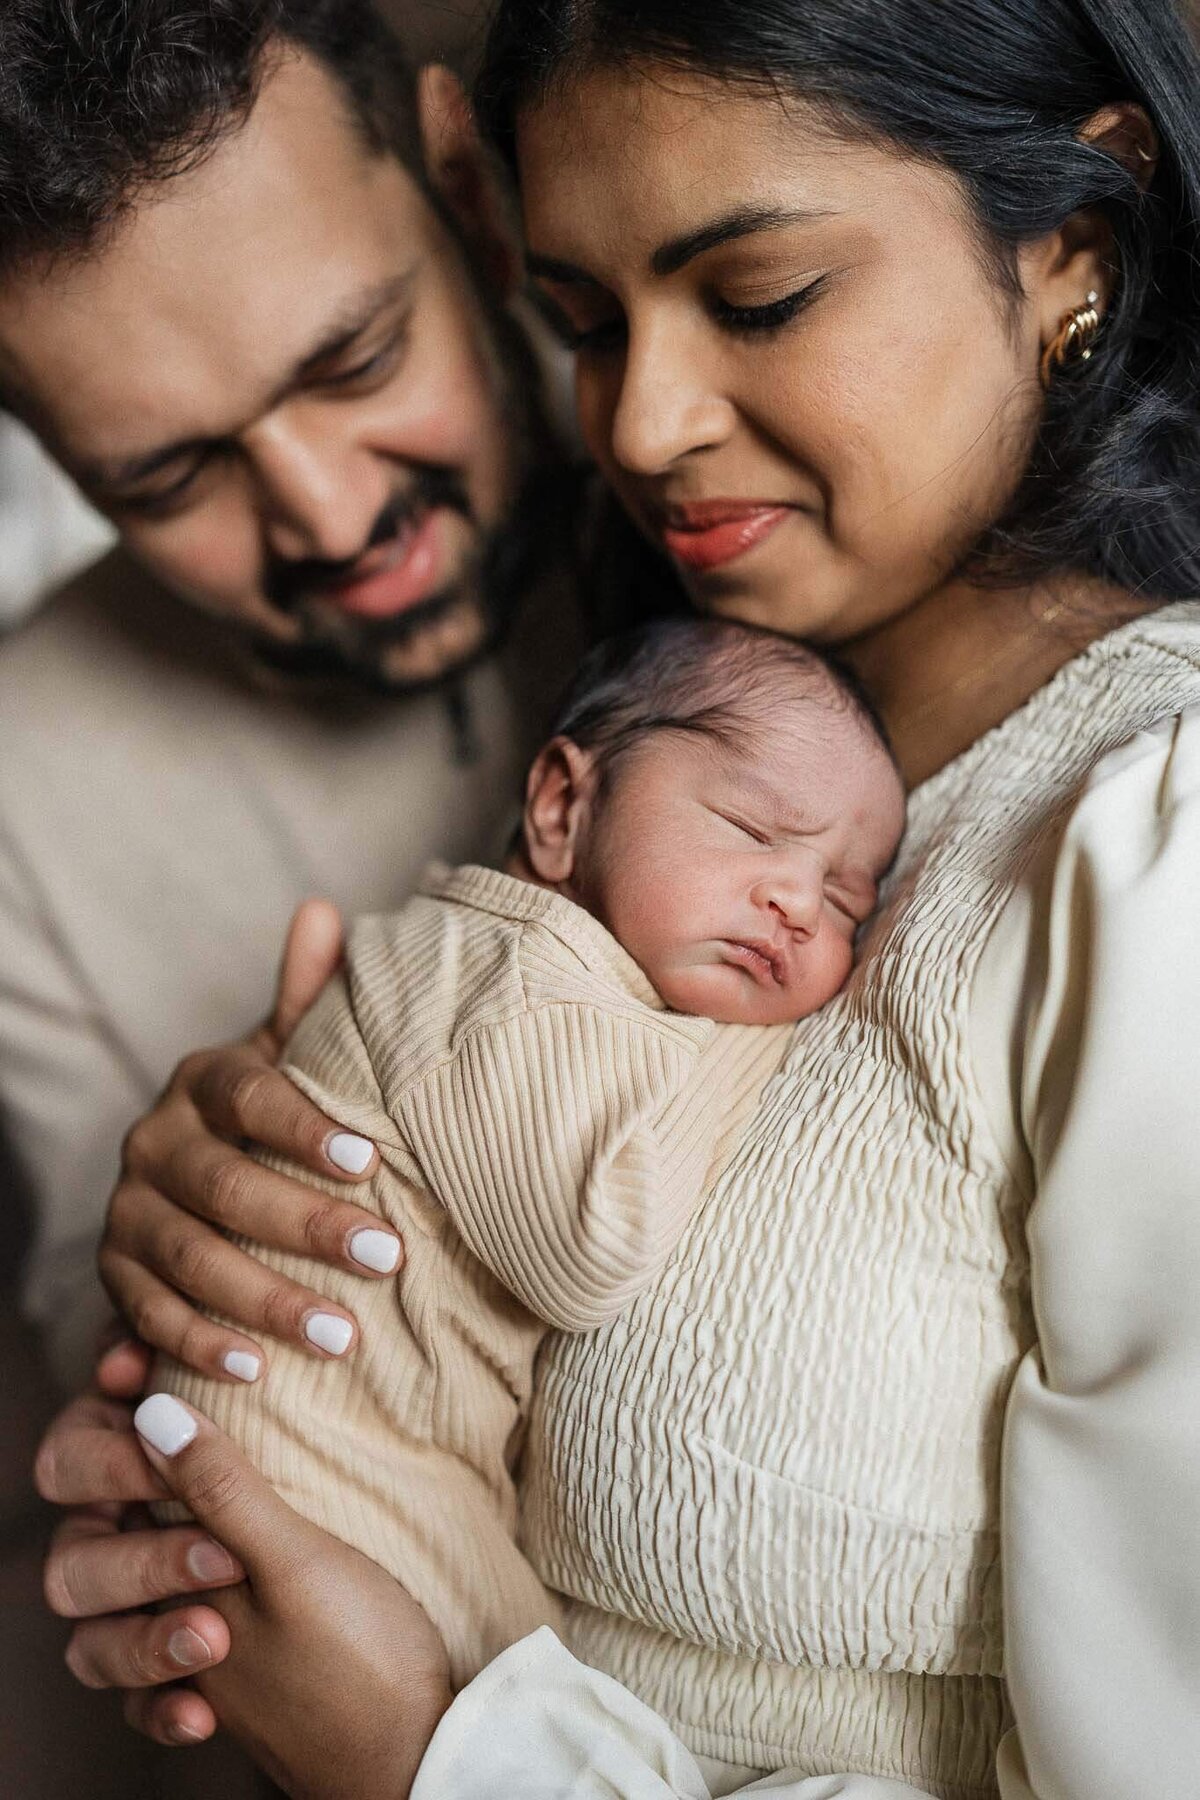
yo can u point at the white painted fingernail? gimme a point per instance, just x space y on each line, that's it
345 1151
242 1364
166 1426
377 1250
328 1332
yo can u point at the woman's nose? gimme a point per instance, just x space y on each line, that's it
320 496
667 406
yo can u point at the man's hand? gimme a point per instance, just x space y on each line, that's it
186 1181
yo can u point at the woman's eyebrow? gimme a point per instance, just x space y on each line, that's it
744 221
676 253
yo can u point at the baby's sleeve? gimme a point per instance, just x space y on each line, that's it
570 1146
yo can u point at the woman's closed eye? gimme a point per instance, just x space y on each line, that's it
581 328
768 316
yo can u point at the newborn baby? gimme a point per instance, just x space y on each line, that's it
554 1062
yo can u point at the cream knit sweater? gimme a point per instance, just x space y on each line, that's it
546 1130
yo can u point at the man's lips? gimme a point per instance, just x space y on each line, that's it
762 960
711 532
395 576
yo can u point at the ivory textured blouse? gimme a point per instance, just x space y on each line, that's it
891 1479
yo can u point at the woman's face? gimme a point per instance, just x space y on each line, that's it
793 362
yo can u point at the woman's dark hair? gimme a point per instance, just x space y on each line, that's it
996 92
100 99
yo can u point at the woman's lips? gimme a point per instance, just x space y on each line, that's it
712 532
394 577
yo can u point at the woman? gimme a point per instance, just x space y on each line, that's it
888 334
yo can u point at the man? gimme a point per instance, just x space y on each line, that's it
251 283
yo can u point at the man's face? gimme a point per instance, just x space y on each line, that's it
279 380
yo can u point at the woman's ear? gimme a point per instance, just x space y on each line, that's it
1126 132
460 169
1060 271
558 802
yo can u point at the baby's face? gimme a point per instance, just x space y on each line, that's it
738 878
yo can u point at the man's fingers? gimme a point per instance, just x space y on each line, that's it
122 1368
239 1095
94 1568
224 1492
143 1650
315 941
91 1454
174 1716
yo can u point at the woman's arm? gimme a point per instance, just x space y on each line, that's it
1101 1507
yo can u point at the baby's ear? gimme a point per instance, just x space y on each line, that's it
558 797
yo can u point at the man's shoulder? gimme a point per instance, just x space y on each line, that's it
110 627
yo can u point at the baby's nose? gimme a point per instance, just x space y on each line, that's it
796 904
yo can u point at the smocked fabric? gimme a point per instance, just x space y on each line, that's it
771 1488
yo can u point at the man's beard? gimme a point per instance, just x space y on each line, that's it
478 604
338 646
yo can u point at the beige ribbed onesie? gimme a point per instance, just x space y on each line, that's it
546 1131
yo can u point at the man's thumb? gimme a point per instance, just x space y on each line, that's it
312 953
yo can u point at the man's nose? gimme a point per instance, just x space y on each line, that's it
793 898
668 405
320 494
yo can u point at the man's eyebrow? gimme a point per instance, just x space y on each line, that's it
674 255
348 324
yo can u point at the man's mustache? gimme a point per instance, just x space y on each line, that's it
288 584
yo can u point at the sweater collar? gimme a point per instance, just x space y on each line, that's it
508 897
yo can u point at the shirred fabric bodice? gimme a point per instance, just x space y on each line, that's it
771 1487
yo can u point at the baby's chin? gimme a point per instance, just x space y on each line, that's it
731 997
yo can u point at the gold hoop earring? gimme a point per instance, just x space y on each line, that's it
1075 339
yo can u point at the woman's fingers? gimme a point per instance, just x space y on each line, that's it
222 1489
91 1455
239 1095
205 1178
144 1650
227 1279
171 1715
94 1568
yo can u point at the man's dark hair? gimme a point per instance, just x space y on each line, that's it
995 91
706 677
100 99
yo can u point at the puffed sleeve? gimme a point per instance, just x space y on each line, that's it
1101 1492
1100 1512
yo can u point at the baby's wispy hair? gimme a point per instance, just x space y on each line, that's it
707 677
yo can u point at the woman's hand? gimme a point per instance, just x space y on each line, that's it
335 1678
105 1561
185 1181
321 1665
